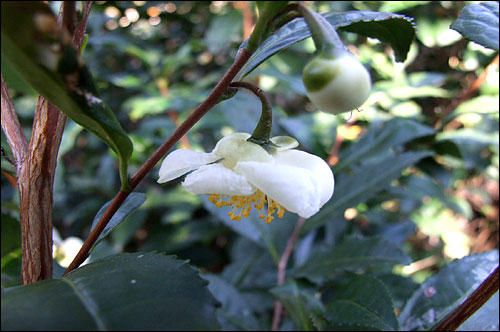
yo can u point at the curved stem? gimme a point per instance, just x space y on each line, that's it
325 37
262 132
195 116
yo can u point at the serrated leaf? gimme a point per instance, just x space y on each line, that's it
479 23
363 304
440 294
361 185
43 55
132 202
300 303
235 313
140 291
353 254
397 30
380 138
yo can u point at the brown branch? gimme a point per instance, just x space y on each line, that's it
475 301
195 116
36 174
12 128
278 307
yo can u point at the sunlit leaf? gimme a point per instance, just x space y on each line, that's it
479 23
439 295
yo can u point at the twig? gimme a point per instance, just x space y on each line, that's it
278 307
195 116
475 301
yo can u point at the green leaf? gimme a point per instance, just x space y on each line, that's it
133 201
479 23
43 55
440 294
485 319
11 234
364 304
235 313
361 185
140 291
380 138
298 302
397 30
353 254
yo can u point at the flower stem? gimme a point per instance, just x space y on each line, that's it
195 116
325 37
262 132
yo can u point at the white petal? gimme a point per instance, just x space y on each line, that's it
293 187
235 147
217 179
179 162
284 142
322 173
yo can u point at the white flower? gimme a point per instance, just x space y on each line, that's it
238 173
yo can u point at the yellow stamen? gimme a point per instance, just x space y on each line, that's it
244 205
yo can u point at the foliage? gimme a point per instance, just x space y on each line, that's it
410 232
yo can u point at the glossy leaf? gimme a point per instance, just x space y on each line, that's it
43 55
140 291
361 185
440 294
363 304
478 22
235 313
299 303
132 202
397 30
485 319
353 254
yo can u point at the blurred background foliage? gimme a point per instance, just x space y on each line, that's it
155 61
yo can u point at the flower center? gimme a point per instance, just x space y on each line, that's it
244 205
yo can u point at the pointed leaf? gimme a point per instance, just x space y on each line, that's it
440 294
353 254
479 23
397 30
133 201
361 185
43 55
122 292
364 304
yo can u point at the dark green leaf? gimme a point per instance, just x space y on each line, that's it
364 304
123 292
298 302
442 293
380 138
353 254
479 23
11 234
42 54
398 30
361 185
235 313
133 201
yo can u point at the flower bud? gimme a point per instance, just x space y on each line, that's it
336 84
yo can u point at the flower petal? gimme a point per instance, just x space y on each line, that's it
235 147
217 179
293 187
284 142
322 173
179 162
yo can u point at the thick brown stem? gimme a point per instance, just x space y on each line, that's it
195 116
36 176
475 301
